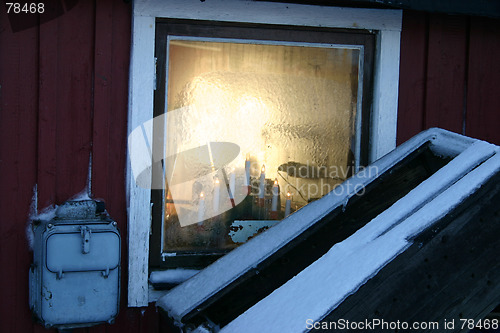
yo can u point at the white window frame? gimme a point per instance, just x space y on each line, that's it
386 24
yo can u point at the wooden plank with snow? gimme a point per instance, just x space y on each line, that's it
338 226
317 291
450 272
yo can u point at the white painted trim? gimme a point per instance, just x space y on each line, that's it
140 111
385 95
386 22
271 13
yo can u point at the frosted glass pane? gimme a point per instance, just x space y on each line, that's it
289 108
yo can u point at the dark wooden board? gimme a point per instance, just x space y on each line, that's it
316 240
450 272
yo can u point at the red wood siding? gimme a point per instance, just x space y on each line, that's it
18 169
63 102
483 93
449 65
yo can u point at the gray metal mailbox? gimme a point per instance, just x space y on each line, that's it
75 276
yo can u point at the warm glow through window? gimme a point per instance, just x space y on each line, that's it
247 123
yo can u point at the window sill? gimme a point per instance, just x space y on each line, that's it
161 281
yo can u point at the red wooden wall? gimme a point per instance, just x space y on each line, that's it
64 97
63 101
448 75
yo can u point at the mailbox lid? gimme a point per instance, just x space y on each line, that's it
65 252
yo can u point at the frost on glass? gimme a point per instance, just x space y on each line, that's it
288 108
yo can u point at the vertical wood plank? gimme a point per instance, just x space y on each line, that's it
483 94
66 58
47 113
140 111
446 72
111 70
385 94
103 83
412 79
74 82
102 108
18 121
117 153
112 54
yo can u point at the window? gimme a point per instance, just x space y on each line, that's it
255 129
295 96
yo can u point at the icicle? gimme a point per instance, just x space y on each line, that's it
89 177
344 204
30 236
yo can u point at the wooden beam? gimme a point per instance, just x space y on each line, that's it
451 271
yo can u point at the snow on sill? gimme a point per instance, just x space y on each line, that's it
172 276
169 277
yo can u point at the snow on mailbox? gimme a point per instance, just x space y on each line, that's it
75 275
